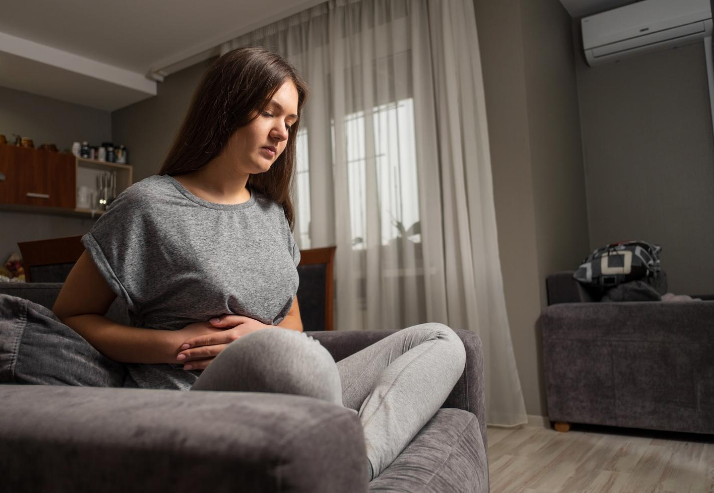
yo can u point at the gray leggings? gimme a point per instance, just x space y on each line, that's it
396 385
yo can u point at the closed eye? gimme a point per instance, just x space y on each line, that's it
268 114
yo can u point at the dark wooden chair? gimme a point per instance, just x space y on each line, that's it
51 260
316 291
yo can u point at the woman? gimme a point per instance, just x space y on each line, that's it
204 251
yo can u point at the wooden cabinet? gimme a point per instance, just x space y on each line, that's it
13 176
37 178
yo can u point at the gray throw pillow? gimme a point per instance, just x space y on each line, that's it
36 348
632 291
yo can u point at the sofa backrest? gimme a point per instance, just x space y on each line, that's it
45 294
563 288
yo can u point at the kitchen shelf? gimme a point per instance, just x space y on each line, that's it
88 170
94 164
43 182
53 211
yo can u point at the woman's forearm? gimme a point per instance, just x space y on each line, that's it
123 343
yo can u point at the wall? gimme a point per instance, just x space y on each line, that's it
46 120
148 128
554 131
649 158
534 135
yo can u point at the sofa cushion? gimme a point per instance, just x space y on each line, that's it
447 455
36 348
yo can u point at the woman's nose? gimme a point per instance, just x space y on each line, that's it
280 133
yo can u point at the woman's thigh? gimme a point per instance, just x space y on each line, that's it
277 361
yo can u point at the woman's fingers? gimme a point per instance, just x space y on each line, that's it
216 338
228 320
199 353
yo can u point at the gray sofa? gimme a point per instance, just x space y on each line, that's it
68 439
632 364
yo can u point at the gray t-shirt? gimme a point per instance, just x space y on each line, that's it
176 259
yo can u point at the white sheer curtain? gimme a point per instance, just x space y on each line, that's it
394 169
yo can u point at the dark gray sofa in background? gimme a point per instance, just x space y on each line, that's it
632 364
69 439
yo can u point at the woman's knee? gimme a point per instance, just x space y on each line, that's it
449 340
278 361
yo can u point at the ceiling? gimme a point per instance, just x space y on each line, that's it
70 49
136 34
108 54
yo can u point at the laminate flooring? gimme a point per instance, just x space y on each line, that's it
590 459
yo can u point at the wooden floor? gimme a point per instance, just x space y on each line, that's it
599 460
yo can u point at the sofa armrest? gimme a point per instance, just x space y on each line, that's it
468 393
68 439
634 364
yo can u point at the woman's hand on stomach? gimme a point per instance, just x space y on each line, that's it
203 341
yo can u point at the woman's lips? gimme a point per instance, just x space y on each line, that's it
268 151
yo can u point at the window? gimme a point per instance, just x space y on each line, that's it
303 183
395 162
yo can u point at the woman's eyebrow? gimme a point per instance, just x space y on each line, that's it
280 107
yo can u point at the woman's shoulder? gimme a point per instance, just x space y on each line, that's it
149 189
151 184
143 197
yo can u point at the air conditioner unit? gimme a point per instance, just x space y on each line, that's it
645 26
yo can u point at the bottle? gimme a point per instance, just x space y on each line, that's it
120 154
101 154
76 148
108 146
84 150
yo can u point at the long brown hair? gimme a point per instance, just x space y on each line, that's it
234 90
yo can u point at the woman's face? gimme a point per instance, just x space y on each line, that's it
256 146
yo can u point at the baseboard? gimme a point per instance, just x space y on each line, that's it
539 421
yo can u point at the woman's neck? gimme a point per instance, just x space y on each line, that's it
218 182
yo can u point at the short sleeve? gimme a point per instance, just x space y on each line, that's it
295 250
292 244
115 243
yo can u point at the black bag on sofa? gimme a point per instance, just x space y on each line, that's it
618 263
